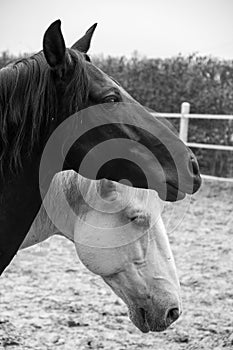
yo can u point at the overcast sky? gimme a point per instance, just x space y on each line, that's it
155 28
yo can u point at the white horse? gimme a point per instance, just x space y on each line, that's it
118 234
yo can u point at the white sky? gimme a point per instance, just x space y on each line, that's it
155 28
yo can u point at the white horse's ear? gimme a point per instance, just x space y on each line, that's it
84 43
107 189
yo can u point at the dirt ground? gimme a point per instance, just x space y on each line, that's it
48 300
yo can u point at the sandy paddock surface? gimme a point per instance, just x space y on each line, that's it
48 300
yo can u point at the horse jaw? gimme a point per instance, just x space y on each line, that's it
148 303
130 250
147 290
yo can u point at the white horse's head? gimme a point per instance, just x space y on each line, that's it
119 235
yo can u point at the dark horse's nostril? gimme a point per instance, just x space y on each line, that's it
194 166
172 316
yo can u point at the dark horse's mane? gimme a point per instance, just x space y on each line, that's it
29 103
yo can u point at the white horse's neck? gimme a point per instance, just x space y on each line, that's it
56 216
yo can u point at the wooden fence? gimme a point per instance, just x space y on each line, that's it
184 116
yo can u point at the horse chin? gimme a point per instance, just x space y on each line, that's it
144 322
138 317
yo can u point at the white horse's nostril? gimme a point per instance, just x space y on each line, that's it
172 315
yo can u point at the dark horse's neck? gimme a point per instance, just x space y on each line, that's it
24 89
21 195
20 201
30 101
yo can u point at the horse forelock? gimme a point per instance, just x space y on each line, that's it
29 102
79 81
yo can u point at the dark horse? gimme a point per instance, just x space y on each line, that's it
37 94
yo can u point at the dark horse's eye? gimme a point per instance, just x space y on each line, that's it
110 102
111 99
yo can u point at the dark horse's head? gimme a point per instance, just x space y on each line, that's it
46 89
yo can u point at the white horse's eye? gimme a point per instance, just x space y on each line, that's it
139 217
142 220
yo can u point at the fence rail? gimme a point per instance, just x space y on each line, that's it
194 116
184 117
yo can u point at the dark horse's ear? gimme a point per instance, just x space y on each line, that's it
83 44
54 46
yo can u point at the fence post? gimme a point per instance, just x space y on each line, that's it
184 121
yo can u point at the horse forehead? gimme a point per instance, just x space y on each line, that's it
139 201
100 78
136 195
